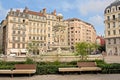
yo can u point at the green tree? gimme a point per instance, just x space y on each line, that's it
102 48
81 50
32 48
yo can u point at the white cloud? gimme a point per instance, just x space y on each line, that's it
92 6
66 6
98 23
96 20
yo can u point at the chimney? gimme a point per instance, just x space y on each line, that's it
54 12
40 11
44 11
17 10
11 10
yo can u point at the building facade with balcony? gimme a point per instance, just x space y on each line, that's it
80 31
23 27
112 28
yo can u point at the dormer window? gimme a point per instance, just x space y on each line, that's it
113 17
118 8
113 10
108 11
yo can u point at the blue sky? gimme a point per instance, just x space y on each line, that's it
91 11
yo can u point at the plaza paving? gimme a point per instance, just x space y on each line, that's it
112 59
67 77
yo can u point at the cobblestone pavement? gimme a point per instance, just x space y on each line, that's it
67 77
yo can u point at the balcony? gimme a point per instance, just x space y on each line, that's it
22 35
112 20
17 28
17 41
25 23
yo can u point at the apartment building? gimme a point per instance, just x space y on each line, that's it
23 27
46 31
80 31
112 28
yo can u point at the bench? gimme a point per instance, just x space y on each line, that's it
81 66
88 66
21 69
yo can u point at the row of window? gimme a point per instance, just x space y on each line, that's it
51 23
18 14
113 9
37 24
114 41
113 17
36 30
18 32
74 39
18 39
113 24
37 38
18 45
51 17
19 27
20 20
114 32
37 17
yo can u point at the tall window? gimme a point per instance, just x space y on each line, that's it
23 45
18 45
118 16
114 41
108 11
119 31
14 25
19 20
14 32
18 38
23 38
48 35
109 41
108 25
114 32
108 32
13 45
23 32
30 37
14 19
108 18
18 32
113 17
113 24
48 22
13 38
48 28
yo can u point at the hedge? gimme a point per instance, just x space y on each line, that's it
52 67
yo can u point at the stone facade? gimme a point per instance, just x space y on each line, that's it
23 27
112 28
46 31
80 31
